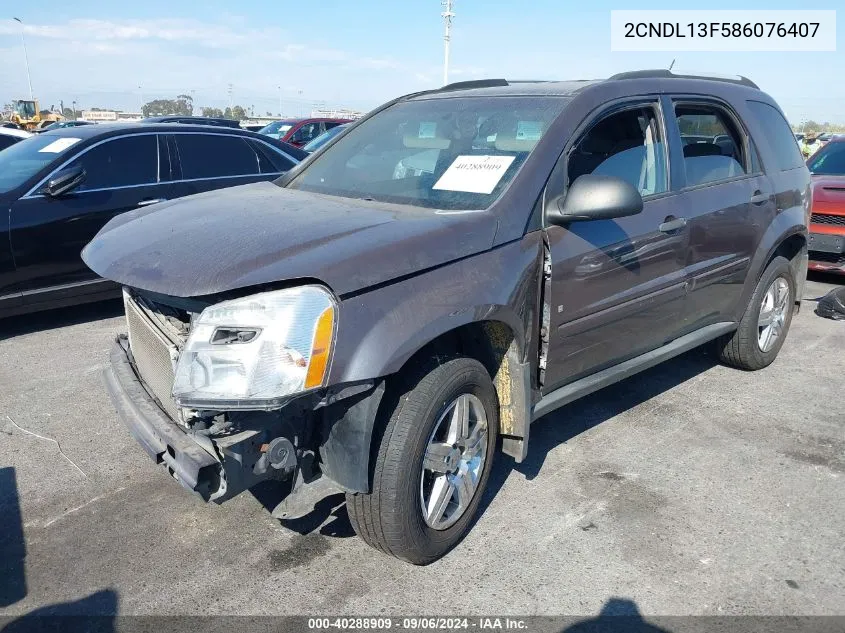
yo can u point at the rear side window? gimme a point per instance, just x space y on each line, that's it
122 162
269 160
780 136
216 156
714 148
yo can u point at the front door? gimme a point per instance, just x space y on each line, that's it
48 234
617 286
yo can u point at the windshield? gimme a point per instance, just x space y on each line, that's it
324 138
276 127
828 161
25 109
453 153
25 159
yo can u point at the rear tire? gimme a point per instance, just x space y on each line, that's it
763 328
426 487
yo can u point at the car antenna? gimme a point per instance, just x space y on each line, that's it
672 64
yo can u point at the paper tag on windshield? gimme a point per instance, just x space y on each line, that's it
474 174
59 145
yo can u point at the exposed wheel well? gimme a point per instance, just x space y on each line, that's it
794 248
495 345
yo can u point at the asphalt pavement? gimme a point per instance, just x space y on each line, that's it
689 489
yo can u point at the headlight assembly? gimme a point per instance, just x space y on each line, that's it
255 352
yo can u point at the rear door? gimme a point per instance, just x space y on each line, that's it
207 161
617 286
728 200
47 234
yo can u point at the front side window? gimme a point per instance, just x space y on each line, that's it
829 160
122 162
443 153
628 145
216 156
23 160
714 148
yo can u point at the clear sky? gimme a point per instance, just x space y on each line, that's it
358 53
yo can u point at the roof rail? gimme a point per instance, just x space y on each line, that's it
661 73
476 83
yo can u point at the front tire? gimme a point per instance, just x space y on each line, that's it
433 461
764 326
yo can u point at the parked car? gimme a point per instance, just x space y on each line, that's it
324 138
827 223
252 128
57 189
299 132
193 120
9 136
799 136
58 125
374 332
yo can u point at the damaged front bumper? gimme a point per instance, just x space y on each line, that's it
191 465
220 467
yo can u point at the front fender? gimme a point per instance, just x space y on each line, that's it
378 331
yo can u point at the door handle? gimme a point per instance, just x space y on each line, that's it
672 224
148 202
759 197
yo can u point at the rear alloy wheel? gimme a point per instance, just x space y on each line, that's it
762 330
432 461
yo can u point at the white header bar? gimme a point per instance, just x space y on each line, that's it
722 30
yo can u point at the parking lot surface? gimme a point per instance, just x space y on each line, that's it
689 489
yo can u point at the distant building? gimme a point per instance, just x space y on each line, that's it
109 116
342 113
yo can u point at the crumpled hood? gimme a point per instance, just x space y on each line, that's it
261 233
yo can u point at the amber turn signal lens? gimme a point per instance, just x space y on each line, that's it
320 348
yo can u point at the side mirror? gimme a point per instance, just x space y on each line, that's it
64 181
595 197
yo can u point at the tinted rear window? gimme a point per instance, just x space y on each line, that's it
216 156
779 134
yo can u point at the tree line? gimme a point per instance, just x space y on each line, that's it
183 105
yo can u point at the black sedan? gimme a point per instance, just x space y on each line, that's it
57 189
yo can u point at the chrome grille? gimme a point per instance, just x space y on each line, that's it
153 355
821 218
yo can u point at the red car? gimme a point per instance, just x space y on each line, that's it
827 224
300 131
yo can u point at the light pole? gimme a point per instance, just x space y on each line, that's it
26 58
141 92
447 15
280 102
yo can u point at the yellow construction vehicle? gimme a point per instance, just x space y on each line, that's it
28 115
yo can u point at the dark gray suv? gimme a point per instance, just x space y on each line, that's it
449 269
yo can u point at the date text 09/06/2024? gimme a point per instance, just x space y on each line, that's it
417 623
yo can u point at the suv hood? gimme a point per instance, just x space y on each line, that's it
829 194
261 233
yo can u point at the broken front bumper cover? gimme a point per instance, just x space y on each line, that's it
190 464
